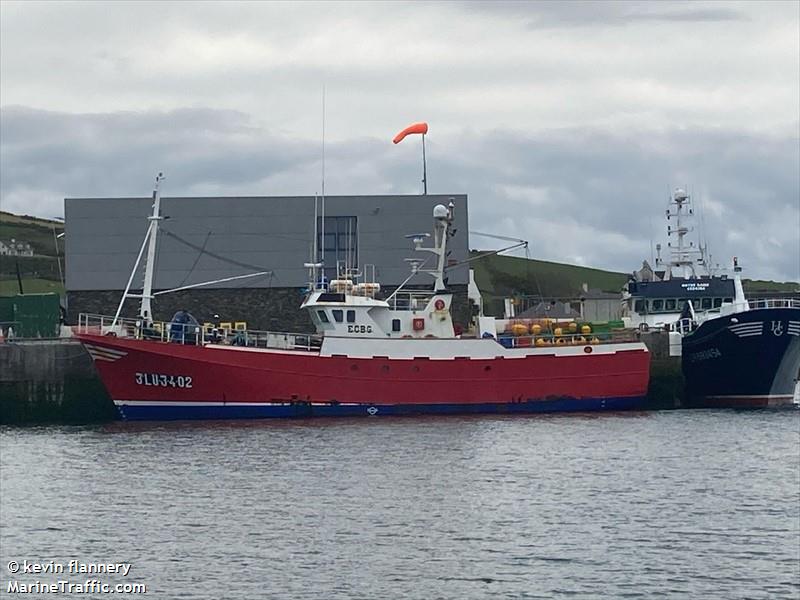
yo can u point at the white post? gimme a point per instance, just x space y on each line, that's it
145 310
130 279
740 303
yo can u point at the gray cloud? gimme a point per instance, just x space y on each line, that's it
383 63
583 13
565 122
589 196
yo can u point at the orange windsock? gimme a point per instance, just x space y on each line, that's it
415 128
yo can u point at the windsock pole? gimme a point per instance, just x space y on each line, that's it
417 128
424 169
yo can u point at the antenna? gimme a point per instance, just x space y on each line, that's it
322 208
702 234
312 271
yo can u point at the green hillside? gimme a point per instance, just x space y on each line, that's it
527 276
40 273
9 287
37 232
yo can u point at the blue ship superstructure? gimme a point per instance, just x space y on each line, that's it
735 352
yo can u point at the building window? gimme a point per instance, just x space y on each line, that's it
338 244
338 315
351 316
395 324
322 316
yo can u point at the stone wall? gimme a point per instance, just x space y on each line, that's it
269 309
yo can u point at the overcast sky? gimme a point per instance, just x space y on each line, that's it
565 122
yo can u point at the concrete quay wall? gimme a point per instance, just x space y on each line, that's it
50 381
667 386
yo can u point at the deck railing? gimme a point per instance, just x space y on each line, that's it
195 334
410 300
774 303
620 336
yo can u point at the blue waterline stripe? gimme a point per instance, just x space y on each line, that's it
168 412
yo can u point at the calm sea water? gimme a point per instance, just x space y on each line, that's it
683 504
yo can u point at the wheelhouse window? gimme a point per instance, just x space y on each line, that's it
322 316
639 306
728 300
658 305
395 324
338 315
669 304
717 302
351 316
706 303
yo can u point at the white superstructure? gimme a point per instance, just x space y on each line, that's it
348 307
683 287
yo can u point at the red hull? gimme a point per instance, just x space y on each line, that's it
135 370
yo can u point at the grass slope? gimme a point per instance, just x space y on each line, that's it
39 272
8 287
37 232
506 275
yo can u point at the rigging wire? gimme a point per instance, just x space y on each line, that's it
196 260
531 274
212 254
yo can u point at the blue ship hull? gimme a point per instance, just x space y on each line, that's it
747 359
163 411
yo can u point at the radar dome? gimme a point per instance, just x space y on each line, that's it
680 194
440 211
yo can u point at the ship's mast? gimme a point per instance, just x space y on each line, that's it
150 238
149 242
683 257
145 310
443 217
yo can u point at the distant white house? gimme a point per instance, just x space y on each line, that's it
15 248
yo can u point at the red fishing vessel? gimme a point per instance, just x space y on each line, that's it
370 356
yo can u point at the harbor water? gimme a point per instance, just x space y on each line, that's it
675 504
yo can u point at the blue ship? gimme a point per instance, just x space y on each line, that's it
736 353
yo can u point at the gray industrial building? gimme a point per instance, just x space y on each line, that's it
211 238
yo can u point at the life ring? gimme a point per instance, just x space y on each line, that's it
439 304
